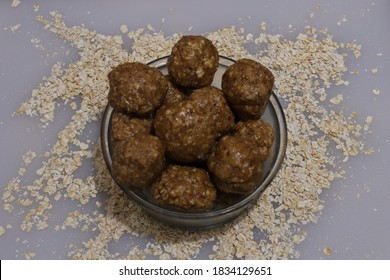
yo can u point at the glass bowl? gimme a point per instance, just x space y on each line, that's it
225 210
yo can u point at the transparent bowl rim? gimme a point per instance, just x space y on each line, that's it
281 150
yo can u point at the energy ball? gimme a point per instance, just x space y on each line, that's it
138 161
186 131
259 131
136 88
124 126
185 188
212 102
247 86
235 165
193 62
174 94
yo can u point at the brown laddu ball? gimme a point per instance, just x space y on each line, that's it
185 188
247 86
259 131
138 161
186 131
136 88
212 101
193 62
235 165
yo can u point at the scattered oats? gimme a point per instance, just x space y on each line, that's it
15 3
249 37
36 7
318 6
83 146
376 91
323 96
8 207
130 34
37 44
190 27
29 255
28 157
136 33
379 54
356 48
369 119
311 15
2 230
343 20
151 28
162 20
374 70
369 151
15 27
327 251
57 196
22 171
25 202
263 26
73 106
124 28
355 72
89 77
357 53
324 31
337 99
35 40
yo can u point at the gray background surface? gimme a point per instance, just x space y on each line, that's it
355 222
